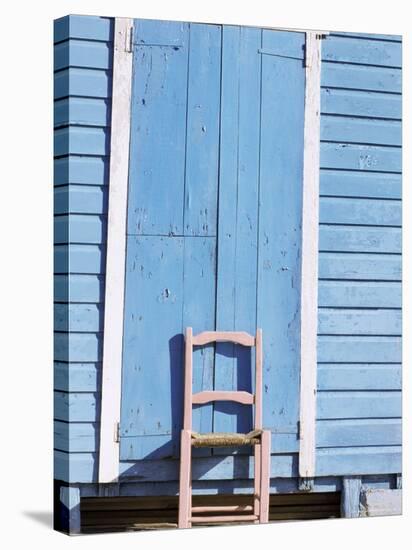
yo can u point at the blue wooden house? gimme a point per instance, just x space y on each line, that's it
226 178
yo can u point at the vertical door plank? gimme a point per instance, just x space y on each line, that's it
228 171
238 207
280 218
202 141
158 135
199 288
152 353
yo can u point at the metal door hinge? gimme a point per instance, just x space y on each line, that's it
117 432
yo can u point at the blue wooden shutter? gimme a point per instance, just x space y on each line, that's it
214 226
171 235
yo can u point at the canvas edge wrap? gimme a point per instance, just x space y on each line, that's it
116 252
310 250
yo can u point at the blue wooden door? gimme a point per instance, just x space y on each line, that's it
213 228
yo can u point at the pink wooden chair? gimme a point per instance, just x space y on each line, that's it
259 438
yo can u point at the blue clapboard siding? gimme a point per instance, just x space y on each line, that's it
77 377
82 91
375 105
374 158
331 461
78 140
369 36
78 346
367 266
77 437
349 238
80 228
359 323
82 82
359 349
83 27
361 376
80 199
360 184
80 407
361 130
82 53
361 77
340 210
361 294
359 432
78 317
82 111
346 49
359 404
79 288
79 258
81 170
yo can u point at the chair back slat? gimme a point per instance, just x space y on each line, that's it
208 337
242 397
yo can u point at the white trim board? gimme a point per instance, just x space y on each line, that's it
116 252
310 251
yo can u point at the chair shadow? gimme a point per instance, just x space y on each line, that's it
242 371
43 517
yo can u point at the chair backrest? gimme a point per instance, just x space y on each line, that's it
243 397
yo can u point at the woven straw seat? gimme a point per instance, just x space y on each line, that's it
222 439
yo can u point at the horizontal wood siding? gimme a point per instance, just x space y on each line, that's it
330 462
82 110
359 346
359 323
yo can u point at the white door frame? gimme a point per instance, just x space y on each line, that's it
310 253
116 252
109 457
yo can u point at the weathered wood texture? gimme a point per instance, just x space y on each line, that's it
82 90
359 321
206 255
237 265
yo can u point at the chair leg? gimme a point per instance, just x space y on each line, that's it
256 496
185 496
265 477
